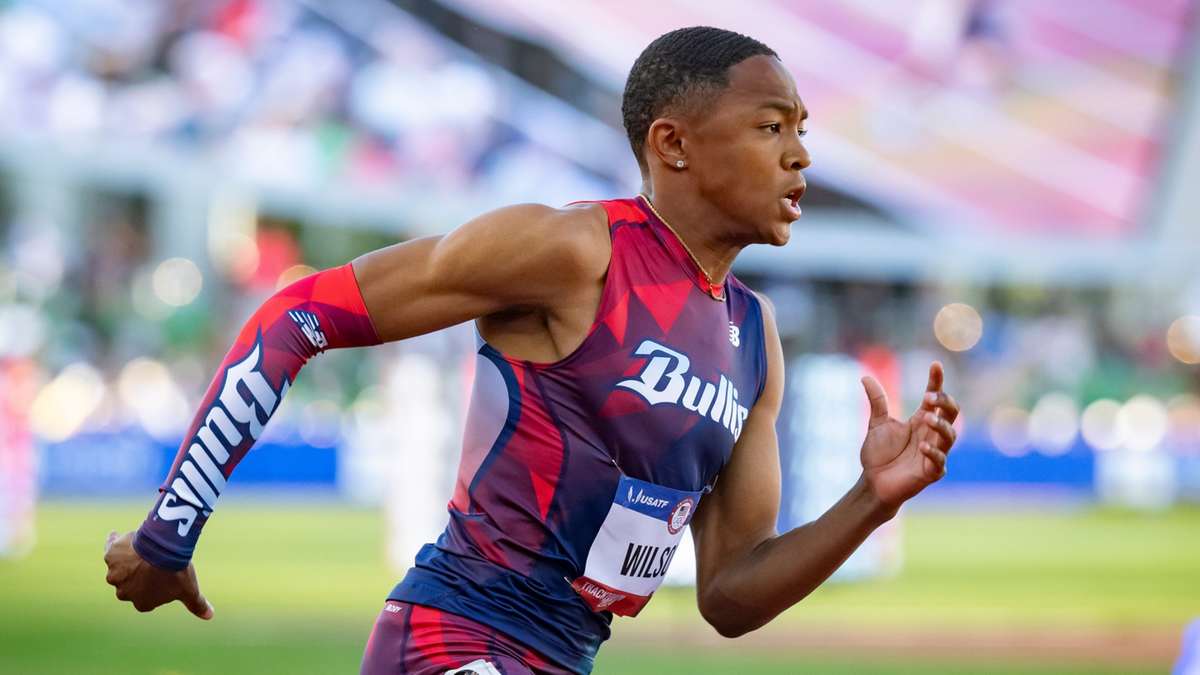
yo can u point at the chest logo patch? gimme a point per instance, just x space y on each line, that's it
735 335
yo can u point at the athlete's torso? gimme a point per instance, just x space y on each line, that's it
658 391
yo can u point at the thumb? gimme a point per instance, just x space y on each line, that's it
191 597
196 604
112 538
878 399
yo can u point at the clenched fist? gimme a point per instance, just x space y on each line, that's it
147 586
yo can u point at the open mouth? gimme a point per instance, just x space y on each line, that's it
791 202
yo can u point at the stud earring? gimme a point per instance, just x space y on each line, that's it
679 164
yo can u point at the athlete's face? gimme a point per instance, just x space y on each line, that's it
746 153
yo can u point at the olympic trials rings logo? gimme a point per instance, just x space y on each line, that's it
680 514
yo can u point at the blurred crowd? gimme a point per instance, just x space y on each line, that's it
99 336
1036 369
277 93
117 344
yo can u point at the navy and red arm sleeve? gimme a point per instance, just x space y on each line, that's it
322 311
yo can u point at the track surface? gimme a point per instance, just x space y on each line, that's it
296 590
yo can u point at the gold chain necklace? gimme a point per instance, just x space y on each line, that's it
707 276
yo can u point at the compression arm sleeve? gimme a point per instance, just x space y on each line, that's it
320 312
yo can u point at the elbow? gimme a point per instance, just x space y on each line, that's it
728 618
729 627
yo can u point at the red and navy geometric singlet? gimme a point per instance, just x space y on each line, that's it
655 395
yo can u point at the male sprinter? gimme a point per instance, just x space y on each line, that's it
626 385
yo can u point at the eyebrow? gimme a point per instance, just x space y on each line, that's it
785 108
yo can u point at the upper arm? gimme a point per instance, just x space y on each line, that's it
519 256
742 510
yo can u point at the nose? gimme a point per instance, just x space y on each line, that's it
797 158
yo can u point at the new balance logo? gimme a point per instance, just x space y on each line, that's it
241 409
479 667
735 335
311 326
663 380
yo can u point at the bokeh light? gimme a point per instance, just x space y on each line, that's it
177 281
1142 423
1009 430
1183 424
63 405
148 390
145 301
1183 339
232 232
240 256
1054 423
958 327
1099 424
293 274
22 331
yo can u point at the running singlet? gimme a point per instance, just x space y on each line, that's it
631 426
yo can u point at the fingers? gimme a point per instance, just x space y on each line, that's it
114 576
937 374
941 403
937 461
878 399
942 428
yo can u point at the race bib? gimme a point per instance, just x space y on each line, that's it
631 554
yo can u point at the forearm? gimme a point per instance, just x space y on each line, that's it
782 570
317 313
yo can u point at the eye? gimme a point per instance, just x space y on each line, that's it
803 133
772 128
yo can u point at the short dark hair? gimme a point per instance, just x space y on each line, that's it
677 69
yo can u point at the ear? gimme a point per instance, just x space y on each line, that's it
664 143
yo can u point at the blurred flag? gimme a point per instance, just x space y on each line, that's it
1189 658
18 474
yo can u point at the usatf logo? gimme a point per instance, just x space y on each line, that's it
643 498
662 380
735 335
241 409
311 326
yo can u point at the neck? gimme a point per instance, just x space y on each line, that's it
701 227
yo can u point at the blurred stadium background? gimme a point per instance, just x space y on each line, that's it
1002 185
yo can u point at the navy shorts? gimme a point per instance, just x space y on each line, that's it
412 639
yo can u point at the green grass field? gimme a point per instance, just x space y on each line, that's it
297 589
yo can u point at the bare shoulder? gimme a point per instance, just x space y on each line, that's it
574 236
767 305
773 392
537 241
527 257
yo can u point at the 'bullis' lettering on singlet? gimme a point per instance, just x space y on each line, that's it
664 380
